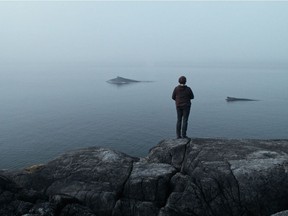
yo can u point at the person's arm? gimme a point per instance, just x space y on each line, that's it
191 94
174 94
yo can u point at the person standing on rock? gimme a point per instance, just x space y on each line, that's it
182 95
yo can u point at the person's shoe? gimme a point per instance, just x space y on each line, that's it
185 137
179 137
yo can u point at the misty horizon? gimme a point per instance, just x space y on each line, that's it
167 63
180 33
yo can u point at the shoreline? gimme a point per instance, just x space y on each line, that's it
187 176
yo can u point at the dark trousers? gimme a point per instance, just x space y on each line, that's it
182 120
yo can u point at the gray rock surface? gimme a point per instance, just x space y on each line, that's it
283 213
178 177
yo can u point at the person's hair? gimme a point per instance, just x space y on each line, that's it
182 80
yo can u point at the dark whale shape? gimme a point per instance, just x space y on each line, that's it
121 80
231 99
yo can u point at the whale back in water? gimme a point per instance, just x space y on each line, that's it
121 80
231 99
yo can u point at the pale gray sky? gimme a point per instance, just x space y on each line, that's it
143 31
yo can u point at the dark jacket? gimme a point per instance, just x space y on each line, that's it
182 95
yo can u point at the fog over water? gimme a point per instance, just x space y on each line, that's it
143 32
56 56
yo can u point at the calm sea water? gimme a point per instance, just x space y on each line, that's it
47 110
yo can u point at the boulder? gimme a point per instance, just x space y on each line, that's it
15 200
94 176
227 177
204 177
146 190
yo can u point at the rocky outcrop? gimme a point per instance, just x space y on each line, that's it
178 177
283 213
